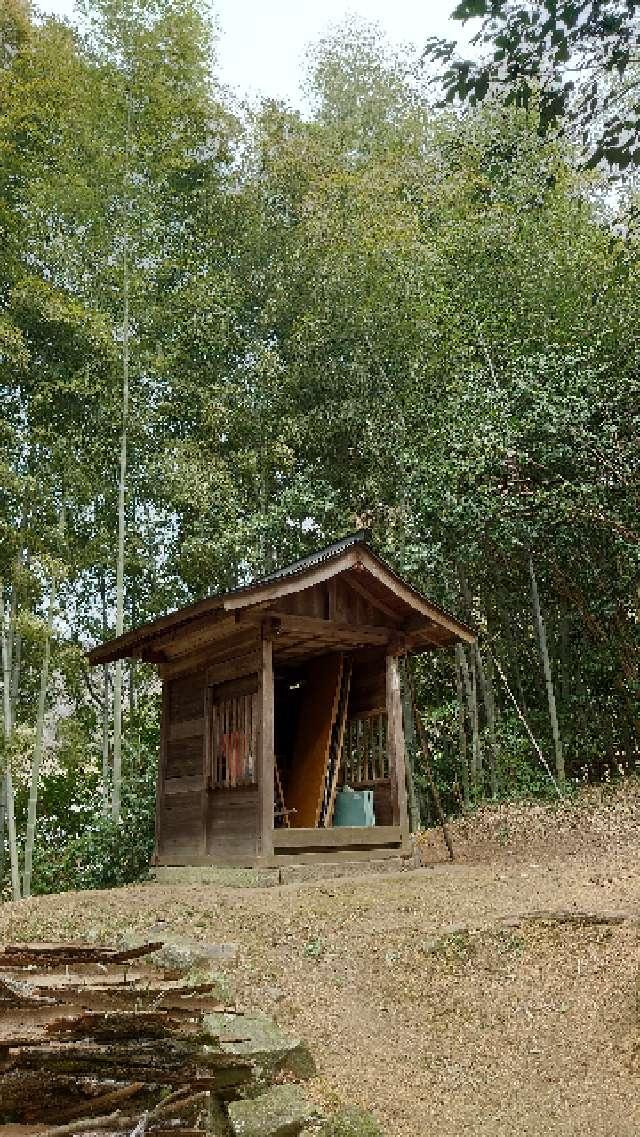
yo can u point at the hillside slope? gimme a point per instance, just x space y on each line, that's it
441 999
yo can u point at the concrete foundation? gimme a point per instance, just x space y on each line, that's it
229 877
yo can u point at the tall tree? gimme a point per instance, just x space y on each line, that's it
575 61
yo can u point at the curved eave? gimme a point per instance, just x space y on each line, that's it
431 625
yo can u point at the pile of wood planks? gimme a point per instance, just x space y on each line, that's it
89 1045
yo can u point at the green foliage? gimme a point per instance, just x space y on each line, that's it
105 853
572 60
379 313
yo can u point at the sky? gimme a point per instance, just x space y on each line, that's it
263 42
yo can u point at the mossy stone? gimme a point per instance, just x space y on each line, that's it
283 1111
257 1037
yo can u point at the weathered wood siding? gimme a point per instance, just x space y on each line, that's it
232 824
336 600
180 829
195 823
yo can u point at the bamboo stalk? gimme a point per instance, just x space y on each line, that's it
551 697
473 718
7 640
462 733
490 717
116 795
39 739
427 765
525 724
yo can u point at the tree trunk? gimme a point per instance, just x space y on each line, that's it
487 698
7 703
3 822
39 740
427 765
551 698
106 788
512 655
116 794
462 733
473 718
477 747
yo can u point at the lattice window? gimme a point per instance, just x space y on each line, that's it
365 750
233 741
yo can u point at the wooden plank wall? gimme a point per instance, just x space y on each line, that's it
194 823
335 600
232 824
180 808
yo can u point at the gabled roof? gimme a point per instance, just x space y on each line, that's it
365 571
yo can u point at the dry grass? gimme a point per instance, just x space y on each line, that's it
428 998
600 820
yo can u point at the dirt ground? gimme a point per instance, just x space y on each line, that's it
432 997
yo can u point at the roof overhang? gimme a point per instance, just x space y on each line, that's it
422 623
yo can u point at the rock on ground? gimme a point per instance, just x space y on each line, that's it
283 1111
257 1037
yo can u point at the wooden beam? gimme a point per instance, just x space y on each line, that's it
369 563
191 637
132 643
266 746
236 668
337 837
335 631
395 746
355 581
343 856
210 656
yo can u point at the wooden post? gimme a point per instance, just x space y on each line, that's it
162 763
395 747
266 757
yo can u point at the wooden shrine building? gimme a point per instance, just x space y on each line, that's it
280 699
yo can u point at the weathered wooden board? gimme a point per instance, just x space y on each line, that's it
232 822
186 699
184 758
368 686
181 821
341 836
313 738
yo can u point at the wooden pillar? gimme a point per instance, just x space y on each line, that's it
162 763
395 746
266 748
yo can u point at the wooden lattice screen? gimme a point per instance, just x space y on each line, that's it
233 741
365 750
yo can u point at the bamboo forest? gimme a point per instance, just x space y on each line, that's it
233 332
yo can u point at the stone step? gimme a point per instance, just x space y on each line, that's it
294 873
